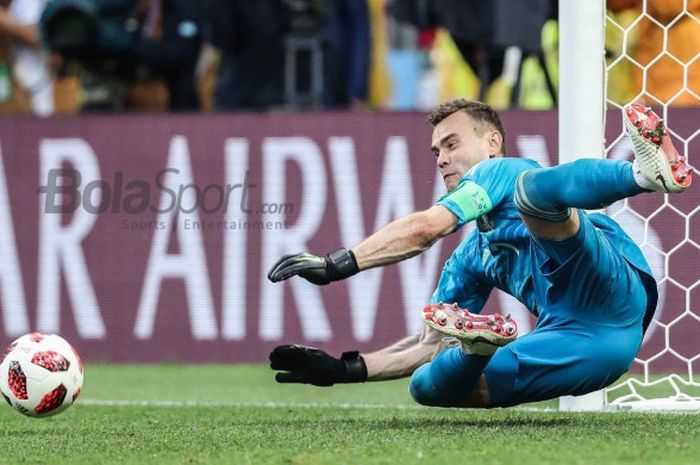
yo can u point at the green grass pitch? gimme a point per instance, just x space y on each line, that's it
173 414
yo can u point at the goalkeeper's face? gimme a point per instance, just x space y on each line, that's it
459 142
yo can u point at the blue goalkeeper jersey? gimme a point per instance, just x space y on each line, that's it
499 252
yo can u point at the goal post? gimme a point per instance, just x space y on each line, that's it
581 108
652 384
581 79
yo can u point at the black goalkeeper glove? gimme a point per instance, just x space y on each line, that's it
335 266
308 365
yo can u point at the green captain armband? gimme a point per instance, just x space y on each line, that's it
470 198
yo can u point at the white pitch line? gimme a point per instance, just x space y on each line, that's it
310 405
271 405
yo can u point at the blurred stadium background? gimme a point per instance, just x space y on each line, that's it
158 155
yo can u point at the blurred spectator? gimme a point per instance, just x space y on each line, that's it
347 36
379 85
249 36
664 79
205 74
29 63
407 63
170 43
482 31
122 43
472 26
457 79
304 53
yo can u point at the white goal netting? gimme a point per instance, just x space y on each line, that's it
653 56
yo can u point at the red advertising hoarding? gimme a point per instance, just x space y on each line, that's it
144 238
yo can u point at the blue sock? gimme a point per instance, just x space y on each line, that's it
590 184
448 379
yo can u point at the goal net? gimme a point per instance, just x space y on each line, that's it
653 57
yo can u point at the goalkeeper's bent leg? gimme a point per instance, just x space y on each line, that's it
550 193
449 379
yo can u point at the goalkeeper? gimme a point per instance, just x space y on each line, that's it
584 279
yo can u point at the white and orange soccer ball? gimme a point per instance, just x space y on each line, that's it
41 375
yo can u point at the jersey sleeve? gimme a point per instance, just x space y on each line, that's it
486 187
457 285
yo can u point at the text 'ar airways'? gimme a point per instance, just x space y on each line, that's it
75 200
217 261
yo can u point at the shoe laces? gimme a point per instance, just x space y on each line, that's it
450 342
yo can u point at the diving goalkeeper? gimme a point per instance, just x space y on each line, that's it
584 279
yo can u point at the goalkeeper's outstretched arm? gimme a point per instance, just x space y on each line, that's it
308 365
405 237
402 358
399 240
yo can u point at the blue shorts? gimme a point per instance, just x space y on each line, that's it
588 331
589 327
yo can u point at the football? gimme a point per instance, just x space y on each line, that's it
41 375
